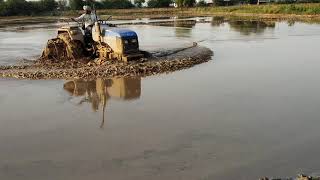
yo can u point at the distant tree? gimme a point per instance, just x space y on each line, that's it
48 5
247 1
62 4
179 3
185 3
159 3
123 4
189 3
23 7
117 4
98 5
2 8
152 3
224 3
138 3
76 4
201 3
16 7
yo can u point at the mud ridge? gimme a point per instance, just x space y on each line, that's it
183 59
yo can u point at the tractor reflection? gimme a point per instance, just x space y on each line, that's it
98 92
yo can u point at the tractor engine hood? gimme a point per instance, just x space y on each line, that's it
121 41
121 33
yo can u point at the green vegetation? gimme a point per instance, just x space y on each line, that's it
116 4
52 7
138 3
104 4
159 3
62 5
185 3
285 9
306 9
201 3
22 7
76 4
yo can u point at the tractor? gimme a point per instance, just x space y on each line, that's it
106 42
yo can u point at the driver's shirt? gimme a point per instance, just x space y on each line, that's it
88 19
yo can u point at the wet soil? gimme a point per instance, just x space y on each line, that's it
160 62
299 177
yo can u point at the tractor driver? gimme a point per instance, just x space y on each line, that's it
88 18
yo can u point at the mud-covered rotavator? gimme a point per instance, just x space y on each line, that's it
105 41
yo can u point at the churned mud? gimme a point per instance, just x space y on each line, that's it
299 177
163 61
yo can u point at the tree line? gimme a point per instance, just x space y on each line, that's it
52 7
121 4
22 7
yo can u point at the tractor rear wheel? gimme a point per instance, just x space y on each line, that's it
62 48
73 48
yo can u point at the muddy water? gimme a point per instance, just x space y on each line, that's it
253 111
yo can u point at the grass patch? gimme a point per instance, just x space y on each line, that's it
300 9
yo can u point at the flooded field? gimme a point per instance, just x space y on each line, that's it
252 111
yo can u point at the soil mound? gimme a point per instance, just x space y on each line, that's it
53 68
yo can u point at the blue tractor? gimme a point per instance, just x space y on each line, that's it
107 42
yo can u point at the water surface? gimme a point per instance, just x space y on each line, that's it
252 111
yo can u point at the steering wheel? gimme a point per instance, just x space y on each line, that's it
104 21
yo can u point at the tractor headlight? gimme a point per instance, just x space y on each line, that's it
126 41
134 40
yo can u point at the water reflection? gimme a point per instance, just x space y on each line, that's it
217 21
291 22
98 92
184 28
245 27
249 27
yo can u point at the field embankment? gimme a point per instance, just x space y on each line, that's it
300 12
271 11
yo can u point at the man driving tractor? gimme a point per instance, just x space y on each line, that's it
88 18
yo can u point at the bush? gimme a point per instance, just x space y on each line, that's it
117 4
185 3
224 3
48 5
76 4
16 7
138 3
62 5
189 3
22 7
201 3
159 3
98 5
